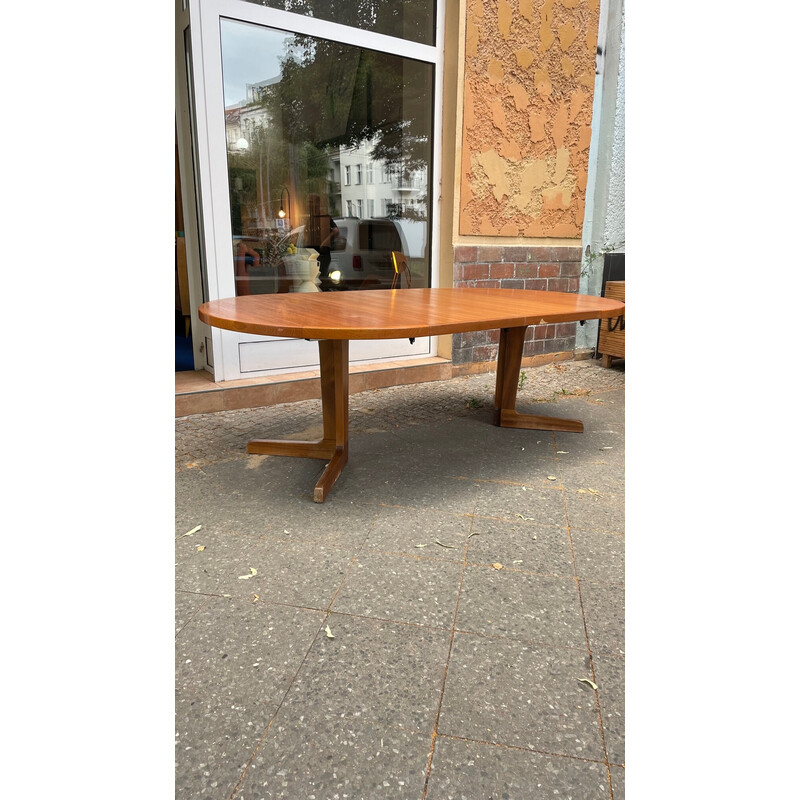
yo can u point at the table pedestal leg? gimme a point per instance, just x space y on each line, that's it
509 360
334 380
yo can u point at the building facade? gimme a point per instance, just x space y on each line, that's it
489 134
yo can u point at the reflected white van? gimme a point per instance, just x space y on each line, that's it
361 254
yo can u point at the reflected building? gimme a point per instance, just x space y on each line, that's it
358 185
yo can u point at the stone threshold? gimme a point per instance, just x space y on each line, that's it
196 392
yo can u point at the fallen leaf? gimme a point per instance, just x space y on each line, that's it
189 533
448 546
586 680
328 632
201 547
256 598
245 577
497 566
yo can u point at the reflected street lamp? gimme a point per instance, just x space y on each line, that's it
282 213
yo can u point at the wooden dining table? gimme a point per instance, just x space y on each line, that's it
334 318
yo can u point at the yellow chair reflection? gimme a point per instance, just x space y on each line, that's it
400 264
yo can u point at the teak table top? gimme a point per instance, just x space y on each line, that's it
400 313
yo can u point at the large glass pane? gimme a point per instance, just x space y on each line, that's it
329 163
407 19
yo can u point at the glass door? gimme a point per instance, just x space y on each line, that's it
322 160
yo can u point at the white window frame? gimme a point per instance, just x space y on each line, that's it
205 16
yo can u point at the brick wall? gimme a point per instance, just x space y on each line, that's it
554 269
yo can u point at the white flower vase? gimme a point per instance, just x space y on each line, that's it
303 269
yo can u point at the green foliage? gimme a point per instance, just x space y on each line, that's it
336 95
590 256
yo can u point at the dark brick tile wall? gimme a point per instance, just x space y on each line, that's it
554 269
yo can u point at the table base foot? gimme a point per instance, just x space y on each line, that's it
507 418
509 360
330 474
324 448
333 361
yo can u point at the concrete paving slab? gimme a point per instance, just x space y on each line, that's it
610 678
259 643
187 604
604 613
202 559
362 482
521 545
618 782
506 602
345 525
416 531
383 673
597 512
337 759
403 588
599 556
544 506
234 663
514 693
463 770
593 476
304 574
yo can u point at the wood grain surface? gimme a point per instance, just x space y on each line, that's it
398 313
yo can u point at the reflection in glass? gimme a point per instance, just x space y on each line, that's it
329 153
407 19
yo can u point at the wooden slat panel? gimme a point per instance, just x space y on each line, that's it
612 342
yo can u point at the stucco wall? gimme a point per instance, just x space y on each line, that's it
615 215
529 70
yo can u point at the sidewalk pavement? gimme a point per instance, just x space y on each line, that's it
448 625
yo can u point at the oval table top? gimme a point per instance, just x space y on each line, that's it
400 313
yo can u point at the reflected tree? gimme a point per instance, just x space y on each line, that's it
408 19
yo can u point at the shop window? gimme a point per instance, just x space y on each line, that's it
317 102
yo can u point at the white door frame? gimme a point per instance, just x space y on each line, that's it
201 338
230 350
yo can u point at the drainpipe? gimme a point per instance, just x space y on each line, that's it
606 158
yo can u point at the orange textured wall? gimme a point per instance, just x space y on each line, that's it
528 85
